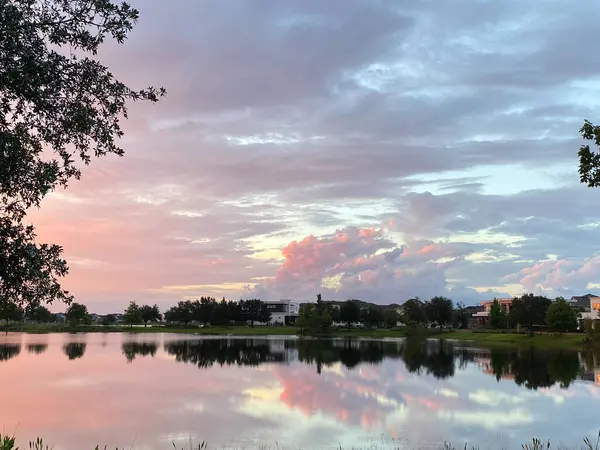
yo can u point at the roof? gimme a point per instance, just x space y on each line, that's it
501 300
582 301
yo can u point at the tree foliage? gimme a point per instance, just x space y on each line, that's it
461 316
561 316
226 312
496 315
439 310
133 314
59 106
254 310
204 309
39 313
530 310
413 310
183 312
150 314
10 311
349 312
314 319
372 316
108 320
589 159
390 319
77 314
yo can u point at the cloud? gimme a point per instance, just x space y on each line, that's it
450 129
366 264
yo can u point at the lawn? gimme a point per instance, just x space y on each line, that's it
220 331
542 340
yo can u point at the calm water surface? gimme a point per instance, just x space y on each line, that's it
144 392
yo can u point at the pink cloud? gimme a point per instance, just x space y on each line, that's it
558 275
365 263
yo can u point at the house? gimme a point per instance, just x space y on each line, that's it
60 317
592 310
482 318
283 312
95 318
583 302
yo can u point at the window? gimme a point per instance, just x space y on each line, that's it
596 305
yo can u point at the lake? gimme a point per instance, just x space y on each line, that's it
146 391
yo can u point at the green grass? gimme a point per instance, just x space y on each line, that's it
219 331
545 340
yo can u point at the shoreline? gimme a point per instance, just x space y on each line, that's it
488 338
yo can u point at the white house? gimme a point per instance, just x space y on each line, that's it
283 311
594 309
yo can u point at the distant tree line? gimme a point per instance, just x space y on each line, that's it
534 312
12 312
208 310
317 319
205 311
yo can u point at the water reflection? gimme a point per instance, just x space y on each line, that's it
37 349
9 351
529 367
241 352
74 350
304 393
534 369
132 349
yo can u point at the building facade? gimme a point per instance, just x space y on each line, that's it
585 303
482 318
592 311
283 312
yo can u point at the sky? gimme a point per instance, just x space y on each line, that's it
366 149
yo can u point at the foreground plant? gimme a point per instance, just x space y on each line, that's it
8 443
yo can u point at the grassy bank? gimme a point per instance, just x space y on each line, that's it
545 340
208 331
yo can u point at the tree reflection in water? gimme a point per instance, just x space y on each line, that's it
132 349
535 369
434 357
37 349
74 350
530 368
9 351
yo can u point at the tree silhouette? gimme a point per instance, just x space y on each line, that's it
58 109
